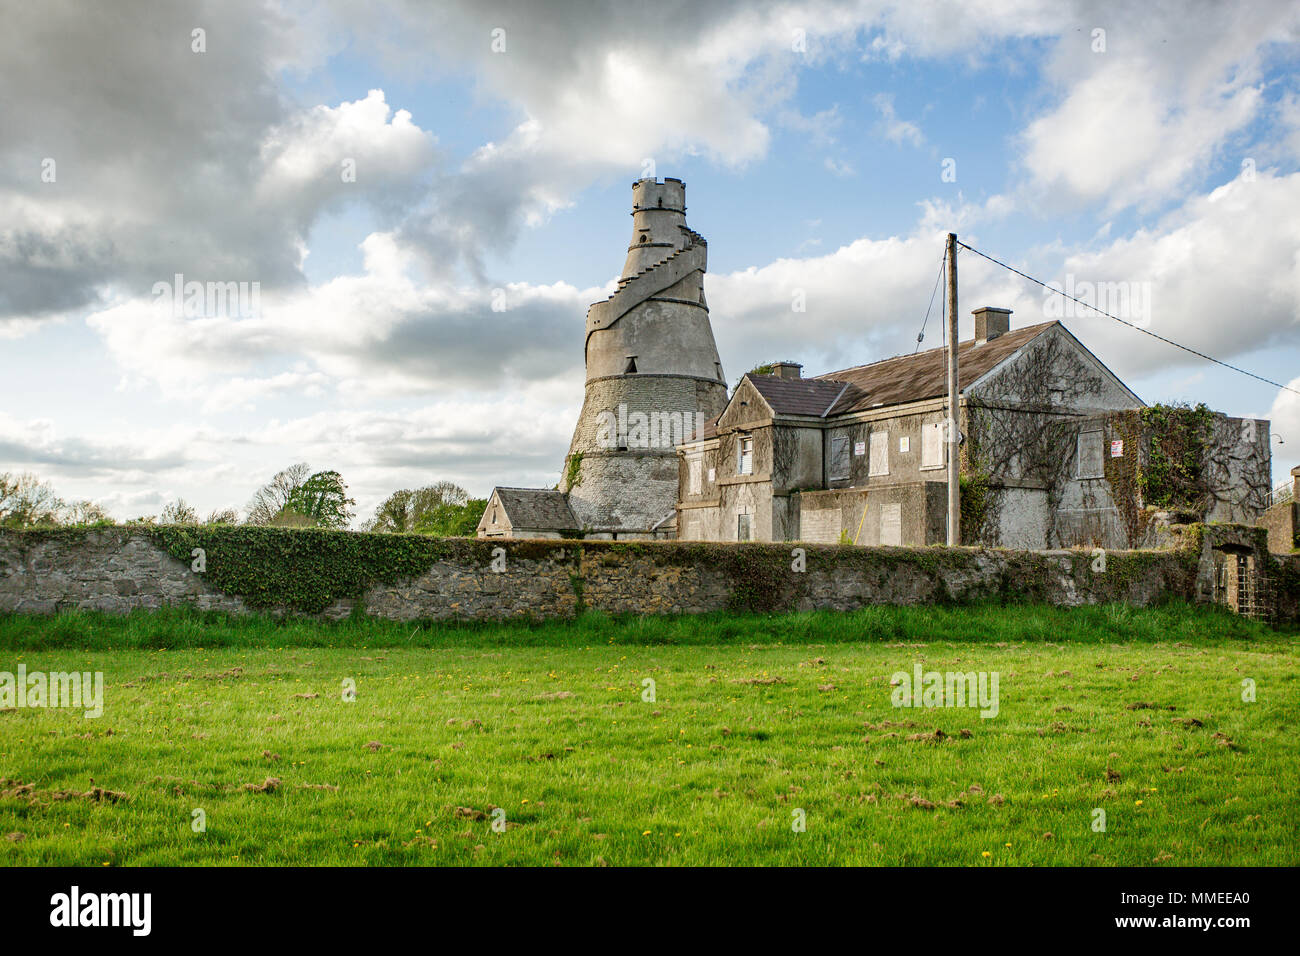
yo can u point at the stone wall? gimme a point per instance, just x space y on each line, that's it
121 569
1282 522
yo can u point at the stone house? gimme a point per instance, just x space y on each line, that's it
1056 451
859 455
527 513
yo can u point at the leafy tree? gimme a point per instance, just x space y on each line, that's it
405 510
272 497
87 512
25 500
178 512
323 500
454 520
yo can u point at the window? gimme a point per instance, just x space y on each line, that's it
631 365
878 451
694 468
742 527
745 456
932 445
1090 462
839 457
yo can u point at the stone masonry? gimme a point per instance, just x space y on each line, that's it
118 570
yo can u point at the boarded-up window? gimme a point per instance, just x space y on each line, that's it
822 525
742 527
745 456
932 445
878 451
695 469
891 524
1090 455
839 458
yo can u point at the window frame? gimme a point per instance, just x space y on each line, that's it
880 435
1101 454
938 428
744 458
847 459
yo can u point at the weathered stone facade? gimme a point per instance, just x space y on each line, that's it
1053 444
118 570
104 570
653 377
1282 519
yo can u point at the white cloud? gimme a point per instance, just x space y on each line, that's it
893 128
1139 120
381 332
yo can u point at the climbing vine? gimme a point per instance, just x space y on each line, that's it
305 569
573 472
1173 476
1123 473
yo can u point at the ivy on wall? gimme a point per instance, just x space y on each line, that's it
1173 476
573 471
1166 448
978 500
1123 474
309 570
306 569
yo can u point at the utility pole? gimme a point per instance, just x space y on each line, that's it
954 417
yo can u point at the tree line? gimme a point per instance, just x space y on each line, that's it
296 497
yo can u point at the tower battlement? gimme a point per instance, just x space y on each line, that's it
668 194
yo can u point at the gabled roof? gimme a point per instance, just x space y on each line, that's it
801 396
912 378
542 508
891 381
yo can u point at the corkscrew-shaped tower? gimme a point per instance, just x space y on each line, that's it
653 375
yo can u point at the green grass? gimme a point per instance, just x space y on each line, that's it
553 729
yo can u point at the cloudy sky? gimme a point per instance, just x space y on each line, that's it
385 171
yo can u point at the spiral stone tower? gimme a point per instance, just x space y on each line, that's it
653 375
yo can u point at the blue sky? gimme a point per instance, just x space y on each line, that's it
811 136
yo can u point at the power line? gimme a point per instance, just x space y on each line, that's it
937 279
1178 345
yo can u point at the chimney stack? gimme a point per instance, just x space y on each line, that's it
990 323
787 369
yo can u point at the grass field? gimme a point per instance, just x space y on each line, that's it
1137 713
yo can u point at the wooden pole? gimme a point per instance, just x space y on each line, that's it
954 416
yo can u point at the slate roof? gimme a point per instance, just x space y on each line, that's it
911 378
545 509
801 396
891 381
